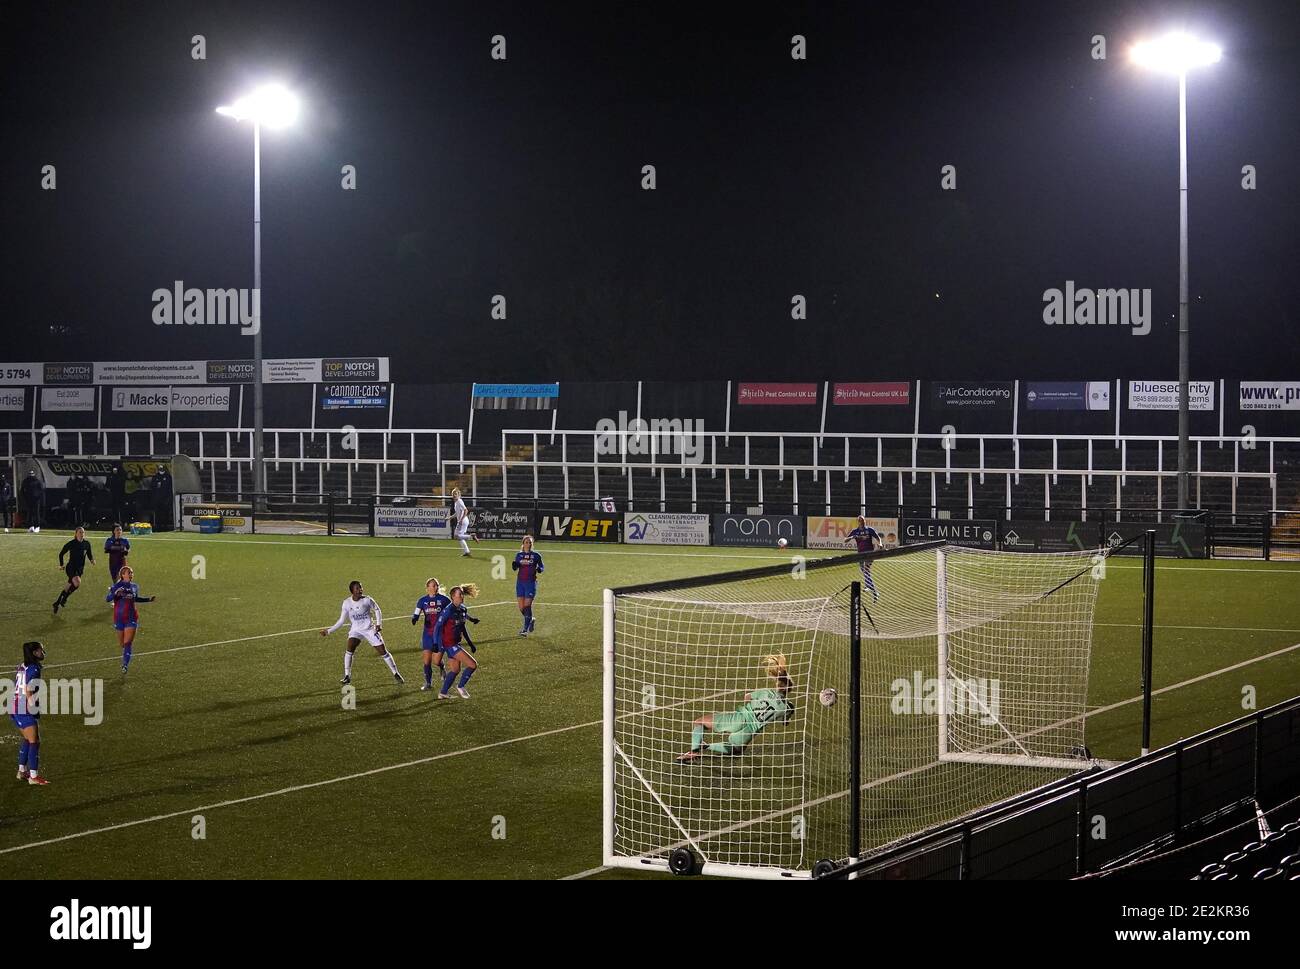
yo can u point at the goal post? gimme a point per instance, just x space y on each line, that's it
769 719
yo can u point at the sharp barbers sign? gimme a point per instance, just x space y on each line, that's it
502 523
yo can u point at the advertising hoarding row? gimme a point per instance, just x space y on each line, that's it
1181 539
297 370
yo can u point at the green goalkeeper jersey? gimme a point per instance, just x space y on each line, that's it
767 706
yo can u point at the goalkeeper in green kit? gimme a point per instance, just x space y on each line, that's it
742 726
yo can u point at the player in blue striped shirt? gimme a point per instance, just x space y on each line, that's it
429 606
124 594
25 714
529 566
449 630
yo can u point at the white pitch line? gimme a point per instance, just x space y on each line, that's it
583 874
180 649
287 632
295 788
1217 629
560 548
434 545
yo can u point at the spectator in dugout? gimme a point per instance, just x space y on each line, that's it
162 498
80 496
32 492
117 492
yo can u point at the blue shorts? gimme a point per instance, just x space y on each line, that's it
119 626
24 720
451 652
525 590
429 644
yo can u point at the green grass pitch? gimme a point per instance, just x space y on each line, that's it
232 709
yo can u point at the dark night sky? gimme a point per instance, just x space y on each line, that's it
776 177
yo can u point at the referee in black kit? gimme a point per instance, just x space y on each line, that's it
77 551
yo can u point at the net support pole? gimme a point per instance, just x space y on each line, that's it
1148 613
607 739
941 617
855 720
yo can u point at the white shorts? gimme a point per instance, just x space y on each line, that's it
462 530
367 633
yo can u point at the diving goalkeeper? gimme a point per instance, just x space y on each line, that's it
742 726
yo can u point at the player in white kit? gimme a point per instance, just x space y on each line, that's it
366 619
461 514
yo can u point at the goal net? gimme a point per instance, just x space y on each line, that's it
729 713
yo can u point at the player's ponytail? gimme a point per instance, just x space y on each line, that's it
777 668
469 589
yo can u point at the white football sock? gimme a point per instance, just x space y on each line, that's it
347 663
392 663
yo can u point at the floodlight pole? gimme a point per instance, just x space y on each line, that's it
259 480
1184 404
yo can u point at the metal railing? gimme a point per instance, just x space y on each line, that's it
808 501
285 446
1153 804
642 447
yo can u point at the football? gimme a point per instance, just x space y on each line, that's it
828 697
781 543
